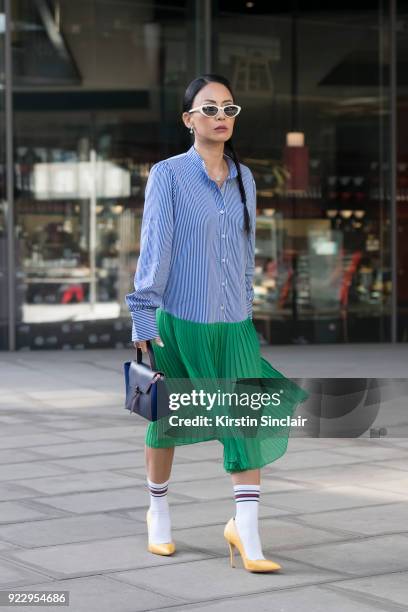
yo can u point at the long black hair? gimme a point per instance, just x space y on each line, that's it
192 90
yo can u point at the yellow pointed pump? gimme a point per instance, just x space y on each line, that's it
167 548
252 565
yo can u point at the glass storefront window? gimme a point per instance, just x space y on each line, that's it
97 87
312 131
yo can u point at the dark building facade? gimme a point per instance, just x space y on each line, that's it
91 98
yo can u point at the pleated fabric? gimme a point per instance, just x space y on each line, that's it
213 356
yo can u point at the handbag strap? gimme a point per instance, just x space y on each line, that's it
150 353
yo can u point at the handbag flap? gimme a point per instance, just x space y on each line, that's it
142 376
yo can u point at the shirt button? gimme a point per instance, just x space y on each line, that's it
222 211
223 284
222 235
223 260
222 306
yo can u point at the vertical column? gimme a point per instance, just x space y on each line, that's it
9 161
92 230
203 35
393 170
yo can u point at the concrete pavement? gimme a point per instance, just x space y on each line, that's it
73 498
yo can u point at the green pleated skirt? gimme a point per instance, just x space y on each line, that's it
221 352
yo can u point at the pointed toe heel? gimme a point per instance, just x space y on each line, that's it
166 548
252 565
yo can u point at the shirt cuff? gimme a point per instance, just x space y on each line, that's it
144 325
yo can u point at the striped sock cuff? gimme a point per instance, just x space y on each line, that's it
247 493
157 489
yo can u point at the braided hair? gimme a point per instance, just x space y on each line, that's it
192 90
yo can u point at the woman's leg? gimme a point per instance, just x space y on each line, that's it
158 466
159 462
246 477
246 491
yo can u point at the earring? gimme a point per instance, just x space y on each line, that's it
191 130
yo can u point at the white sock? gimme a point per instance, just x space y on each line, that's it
160 524
246 519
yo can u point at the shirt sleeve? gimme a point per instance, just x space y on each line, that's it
153 265
250 266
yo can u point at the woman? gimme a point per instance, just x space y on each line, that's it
193 298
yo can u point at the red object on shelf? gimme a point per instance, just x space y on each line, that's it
68 294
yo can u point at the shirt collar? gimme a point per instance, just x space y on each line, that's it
196 158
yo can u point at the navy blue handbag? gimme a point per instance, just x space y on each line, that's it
146 391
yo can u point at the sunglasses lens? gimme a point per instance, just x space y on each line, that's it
231 111
210 110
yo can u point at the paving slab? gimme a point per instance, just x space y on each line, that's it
100 556
313 459
30 440
102 594
356 473
298 599
81 423
277 534
368 520
121 432
36 469
79 482
11 431
362 556
82 449
10 491
6 546
70 529
15 574
387 590
374 452
396 483
111 499
400 442
397 464
18 511
208 579
18 455
84 402
98 463
331 498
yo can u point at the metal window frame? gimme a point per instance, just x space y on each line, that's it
393 142
9 161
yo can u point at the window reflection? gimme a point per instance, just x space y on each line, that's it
96 84
97 91
312 131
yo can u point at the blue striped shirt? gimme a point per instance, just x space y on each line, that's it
196 260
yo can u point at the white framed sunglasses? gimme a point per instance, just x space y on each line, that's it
212 110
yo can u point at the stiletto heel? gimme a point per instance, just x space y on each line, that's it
231 549
252 565
167 548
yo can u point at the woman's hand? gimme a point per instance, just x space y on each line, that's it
143 344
